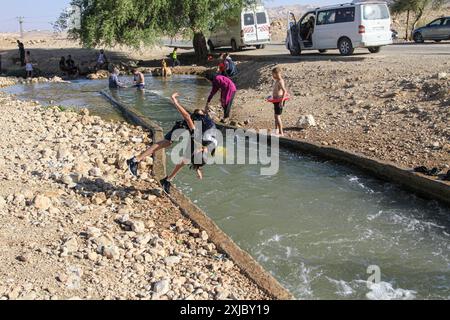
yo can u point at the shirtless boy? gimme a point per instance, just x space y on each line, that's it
279 94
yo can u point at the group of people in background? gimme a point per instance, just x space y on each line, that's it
66 65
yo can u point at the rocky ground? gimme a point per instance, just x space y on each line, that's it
386 107
75 225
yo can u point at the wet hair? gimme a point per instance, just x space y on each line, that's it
197 115
277 70
210 76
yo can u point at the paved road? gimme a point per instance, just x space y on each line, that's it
280 52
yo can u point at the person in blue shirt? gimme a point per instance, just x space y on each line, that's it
114 82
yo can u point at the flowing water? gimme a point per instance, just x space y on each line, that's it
317 226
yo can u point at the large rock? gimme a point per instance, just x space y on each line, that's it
172 260
70 246
2 202
93 232
442 76
306 122
42 202
137 226
101 74
111 252
162 287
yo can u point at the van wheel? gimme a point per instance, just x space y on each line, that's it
346 47
374 49
234 45
323 51
211 45
260 46
418 38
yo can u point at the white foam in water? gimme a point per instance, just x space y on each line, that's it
343 288
385 291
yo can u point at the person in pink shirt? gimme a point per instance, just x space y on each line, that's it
228 92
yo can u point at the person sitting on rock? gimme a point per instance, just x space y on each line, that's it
199 149
62 64
72 69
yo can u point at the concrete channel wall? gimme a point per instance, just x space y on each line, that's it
249 266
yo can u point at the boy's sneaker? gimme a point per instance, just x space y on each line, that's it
166 185
133 166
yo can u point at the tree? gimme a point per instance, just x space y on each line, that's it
418 7
133 22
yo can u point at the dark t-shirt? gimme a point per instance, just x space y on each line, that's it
70 63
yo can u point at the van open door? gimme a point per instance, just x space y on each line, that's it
293 35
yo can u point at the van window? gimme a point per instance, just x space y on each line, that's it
249 19
261 18
375 12
336 16
326 17
345 15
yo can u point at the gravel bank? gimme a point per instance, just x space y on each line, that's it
75 225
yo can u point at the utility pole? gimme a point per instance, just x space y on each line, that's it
21 20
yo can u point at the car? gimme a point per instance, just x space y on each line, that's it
250 28
344 26
436 30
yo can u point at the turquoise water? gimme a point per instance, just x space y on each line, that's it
316 226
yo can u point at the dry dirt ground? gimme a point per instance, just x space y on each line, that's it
75 225
392 107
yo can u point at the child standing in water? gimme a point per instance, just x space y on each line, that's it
28 65
139 79
279 95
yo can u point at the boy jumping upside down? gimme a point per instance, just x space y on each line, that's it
199 148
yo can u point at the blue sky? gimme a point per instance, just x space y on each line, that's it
40 13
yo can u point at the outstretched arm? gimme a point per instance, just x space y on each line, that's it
183 111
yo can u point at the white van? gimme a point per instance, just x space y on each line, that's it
361 24
252 28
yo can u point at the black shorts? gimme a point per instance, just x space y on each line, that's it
278 108
178 126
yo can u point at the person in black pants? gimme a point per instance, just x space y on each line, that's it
21 53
